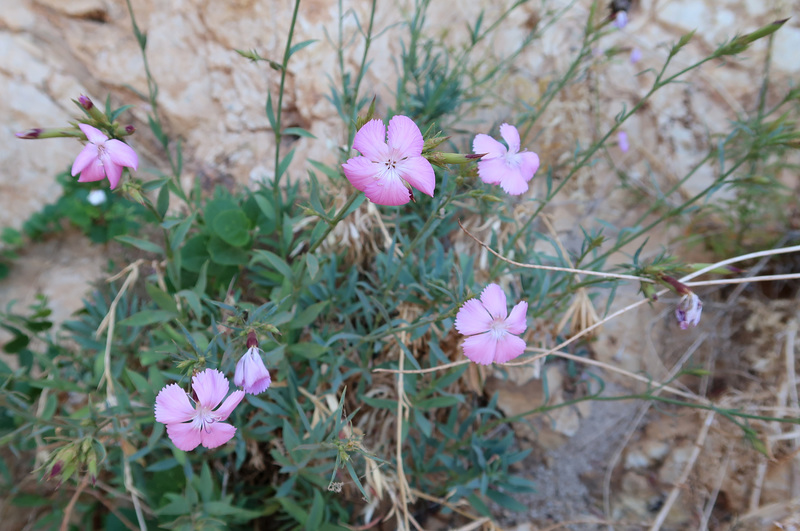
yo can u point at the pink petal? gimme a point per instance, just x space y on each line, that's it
473 318
122 154
389 191
418 172
211 386
360 172
517 321
513 183
251 374
494 300
95 171
508 347
480 348
94 135
185 436
492 171
216 434
113 170
486 144
370 140
529 164
229 405
87 155
511 136
260 385
172 405
405 137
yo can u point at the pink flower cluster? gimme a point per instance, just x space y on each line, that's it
192 422
102 158
392 164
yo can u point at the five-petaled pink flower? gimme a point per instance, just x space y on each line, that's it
188 425
386 171
493 333
689 310
507 167
251 373
103 158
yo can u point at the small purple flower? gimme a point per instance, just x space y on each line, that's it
636 55
688 311
621 19
622 140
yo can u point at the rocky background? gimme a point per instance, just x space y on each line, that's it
213 99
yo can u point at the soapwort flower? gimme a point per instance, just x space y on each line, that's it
508 167
386 170
103 158
191 425
493 333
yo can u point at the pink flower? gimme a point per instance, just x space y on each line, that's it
103 158
507 167
386 171
251 374
688 311
493 333
189 425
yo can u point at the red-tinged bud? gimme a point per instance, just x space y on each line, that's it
130 129
85 102
56 470
677 285
252 340
30 134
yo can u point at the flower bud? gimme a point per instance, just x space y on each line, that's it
85 102
30 134
362 119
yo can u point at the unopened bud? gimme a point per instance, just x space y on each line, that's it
433 142
85 102
129 129
30 134
362 119
252 340
740 43
679 287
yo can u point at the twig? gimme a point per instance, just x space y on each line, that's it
676 490
744 280
71 505
712 501
553 268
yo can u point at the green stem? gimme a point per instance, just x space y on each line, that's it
278 113
335 221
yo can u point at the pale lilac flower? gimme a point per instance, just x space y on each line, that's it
505 166
103 158
386 171
621 19
688 311
636 55
493 333
190 425
622 141
251 374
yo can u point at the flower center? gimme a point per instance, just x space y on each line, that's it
204 418
511 160
499 327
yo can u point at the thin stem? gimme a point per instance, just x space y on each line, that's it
278 114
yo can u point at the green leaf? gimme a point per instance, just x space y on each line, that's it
284 164
324 168
437 402
271 113
162 299
315 515
297 131
162 202
17 344
181 230
504 500
300 45
307 316
275 261
147 317
225 254
313 266
265 206
233 227
144 245
309 351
